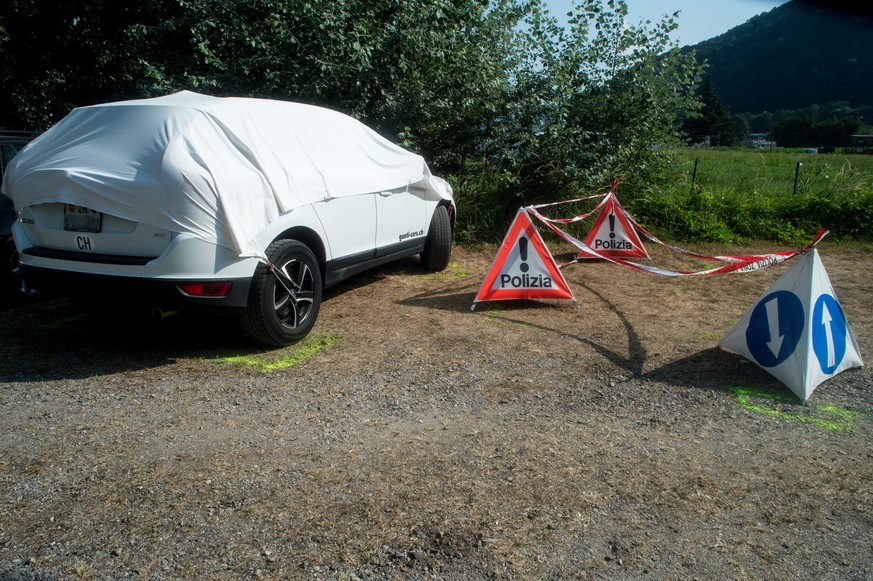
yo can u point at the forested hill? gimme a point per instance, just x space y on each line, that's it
799 54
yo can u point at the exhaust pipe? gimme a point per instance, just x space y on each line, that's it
159 315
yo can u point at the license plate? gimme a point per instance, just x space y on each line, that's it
81 219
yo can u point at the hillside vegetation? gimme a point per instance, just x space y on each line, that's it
794 56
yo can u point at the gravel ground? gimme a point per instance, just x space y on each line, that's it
417 439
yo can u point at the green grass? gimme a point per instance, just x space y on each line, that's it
737 195
453 271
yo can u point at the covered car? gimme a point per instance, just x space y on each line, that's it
235 205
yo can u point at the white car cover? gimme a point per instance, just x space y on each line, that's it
221 169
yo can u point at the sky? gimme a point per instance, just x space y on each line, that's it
698 20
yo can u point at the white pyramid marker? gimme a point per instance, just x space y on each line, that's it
797 330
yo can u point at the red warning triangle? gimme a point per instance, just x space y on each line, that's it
524 267
613 235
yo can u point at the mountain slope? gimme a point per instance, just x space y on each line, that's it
798 54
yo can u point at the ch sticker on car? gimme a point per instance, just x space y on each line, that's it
84 243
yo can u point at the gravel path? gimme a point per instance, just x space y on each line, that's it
529 440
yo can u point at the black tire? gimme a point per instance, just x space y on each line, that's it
438 245
283 305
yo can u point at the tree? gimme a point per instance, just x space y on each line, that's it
597 100
713 123
60 54
792 131
543 110
441 81
834 132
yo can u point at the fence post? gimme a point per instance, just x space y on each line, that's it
694 175
796 173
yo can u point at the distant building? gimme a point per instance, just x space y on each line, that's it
759 141
860 144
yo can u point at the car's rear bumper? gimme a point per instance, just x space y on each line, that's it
153 293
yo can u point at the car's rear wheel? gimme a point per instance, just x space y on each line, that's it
285 295
438 245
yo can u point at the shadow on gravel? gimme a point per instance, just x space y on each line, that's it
52 339
636 359
633 362
709 369
57 339
449 299
403 267
713 369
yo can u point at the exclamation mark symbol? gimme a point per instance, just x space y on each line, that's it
522 251
612 225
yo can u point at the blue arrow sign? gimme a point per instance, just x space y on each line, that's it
775 327
828 326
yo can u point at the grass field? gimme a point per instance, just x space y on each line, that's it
735 195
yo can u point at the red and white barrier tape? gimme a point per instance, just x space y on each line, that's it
735 264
